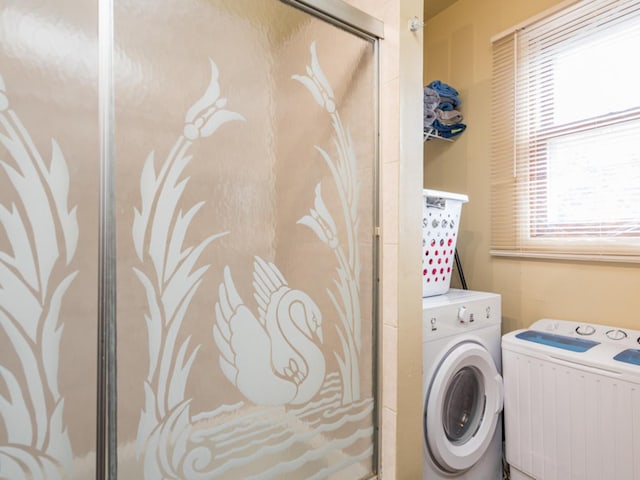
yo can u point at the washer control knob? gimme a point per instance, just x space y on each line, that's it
465 315
617 334
585 330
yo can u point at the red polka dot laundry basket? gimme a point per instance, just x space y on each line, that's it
440 219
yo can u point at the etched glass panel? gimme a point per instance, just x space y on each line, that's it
246 158
48 238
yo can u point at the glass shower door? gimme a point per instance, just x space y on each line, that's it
246 140
49 139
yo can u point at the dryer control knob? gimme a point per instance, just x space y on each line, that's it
465 315
616 334
585 330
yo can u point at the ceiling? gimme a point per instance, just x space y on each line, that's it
433 7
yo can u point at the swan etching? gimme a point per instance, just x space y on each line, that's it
273 359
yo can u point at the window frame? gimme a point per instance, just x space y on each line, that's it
532 232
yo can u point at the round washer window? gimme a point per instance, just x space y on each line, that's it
463 405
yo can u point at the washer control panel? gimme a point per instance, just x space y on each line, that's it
459 311
599 333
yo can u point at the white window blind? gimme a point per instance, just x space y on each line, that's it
566 135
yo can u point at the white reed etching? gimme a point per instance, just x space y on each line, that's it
170 277
344 172
42 233
274 358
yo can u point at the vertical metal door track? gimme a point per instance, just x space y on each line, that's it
106 441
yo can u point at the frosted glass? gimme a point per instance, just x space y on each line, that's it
48 238
245 139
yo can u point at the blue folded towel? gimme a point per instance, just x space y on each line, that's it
446 106
448 95
443 89
448 131
455 101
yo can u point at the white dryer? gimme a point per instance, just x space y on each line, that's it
462 386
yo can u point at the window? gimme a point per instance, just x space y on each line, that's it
566 134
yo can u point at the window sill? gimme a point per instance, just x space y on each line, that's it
572 257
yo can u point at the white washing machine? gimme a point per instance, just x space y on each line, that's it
572 401
462 386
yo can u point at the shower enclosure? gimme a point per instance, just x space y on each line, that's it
188 251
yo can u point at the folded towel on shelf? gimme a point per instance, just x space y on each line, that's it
448 131
450 103
428 119
431 100
444 90
446 106
448 117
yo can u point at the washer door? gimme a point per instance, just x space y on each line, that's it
462 407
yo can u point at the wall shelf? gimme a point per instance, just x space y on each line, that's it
433 133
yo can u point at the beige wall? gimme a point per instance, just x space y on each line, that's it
458 51
400 293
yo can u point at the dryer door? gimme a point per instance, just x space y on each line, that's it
462 407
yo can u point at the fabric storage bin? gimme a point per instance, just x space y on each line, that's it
440 219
